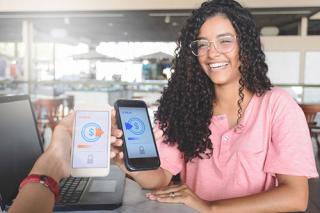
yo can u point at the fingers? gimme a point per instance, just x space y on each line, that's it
172 193
169 189
116 154
115 150
113 117
116 145
116 142
115 131
119 157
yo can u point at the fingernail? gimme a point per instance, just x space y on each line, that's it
152 197
112 154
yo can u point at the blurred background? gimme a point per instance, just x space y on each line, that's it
69 52
64 53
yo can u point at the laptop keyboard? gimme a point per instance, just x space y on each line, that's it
71 189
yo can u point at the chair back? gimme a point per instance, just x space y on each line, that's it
310 112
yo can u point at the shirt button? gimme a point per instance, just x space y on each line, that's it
226 138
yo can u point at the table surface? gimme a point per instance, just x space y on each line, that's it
134 200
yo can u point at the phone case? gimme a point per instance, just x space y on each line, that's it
146 163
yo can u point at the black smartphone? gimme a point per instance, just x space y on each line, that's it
139 147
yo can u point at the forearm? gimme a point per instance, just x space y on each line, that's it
49 164
33 198
152 179
281 199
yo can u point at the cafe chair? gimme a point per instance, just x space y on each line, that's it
310 112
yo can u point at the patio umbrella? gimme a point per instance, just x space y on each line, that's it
95 56
155 57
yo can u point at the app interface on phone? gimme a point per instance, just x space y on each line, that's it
137 132
90 143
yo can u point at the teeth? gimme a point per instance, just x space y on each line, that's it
218 65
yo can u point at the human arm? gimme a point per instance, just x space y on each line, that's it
152 179
55 163
291 195
288 152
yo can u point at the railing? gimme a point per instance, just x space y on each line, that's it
303 93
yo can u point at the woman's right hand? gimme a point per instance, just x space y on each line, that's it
116 152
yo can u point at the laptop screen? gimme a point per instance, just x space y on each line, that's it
19 144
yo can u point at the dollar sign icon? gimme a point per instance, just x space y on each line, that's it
136 125
91 131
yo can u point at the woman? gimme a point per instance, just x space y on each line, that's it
239 144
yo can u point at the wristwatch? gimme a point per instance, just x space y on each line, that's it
47 181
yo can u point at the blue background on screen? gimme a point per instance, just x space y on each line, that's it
137 132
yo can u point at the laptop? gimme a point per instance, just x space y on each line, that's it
20 146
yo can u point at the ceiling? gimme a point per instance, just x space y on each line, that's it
152 25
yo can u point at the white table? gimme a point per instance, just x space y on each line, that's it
134 201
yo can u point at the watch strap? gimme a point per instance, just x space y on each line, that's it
46 181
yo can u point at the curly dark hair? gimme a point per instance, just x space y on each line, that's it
186 105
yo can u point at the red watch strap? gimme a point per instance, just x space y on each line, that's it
47 181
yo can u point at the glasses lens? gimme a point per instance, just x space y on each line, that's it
199 47
225 44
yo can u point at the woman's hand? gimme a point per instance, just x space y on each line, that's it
116 143
179 194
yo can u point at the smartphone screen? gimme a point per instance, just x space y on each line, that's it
137 132
91 141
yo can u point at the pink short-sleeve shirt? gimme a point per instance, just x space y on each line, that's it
272 138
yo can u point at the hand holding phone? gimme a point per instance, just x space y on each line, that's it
139 147
90 154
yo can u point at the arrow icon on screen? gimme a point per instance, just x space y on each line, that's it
99 132
128 126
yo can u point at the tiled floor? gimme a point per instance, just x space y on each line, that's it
314 187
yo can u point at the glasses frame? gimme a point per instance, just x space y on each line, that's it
210 45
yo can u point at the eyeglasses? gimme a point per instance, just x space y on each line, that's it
223 44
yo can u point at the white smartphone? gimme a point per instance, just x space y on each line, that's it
90 153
